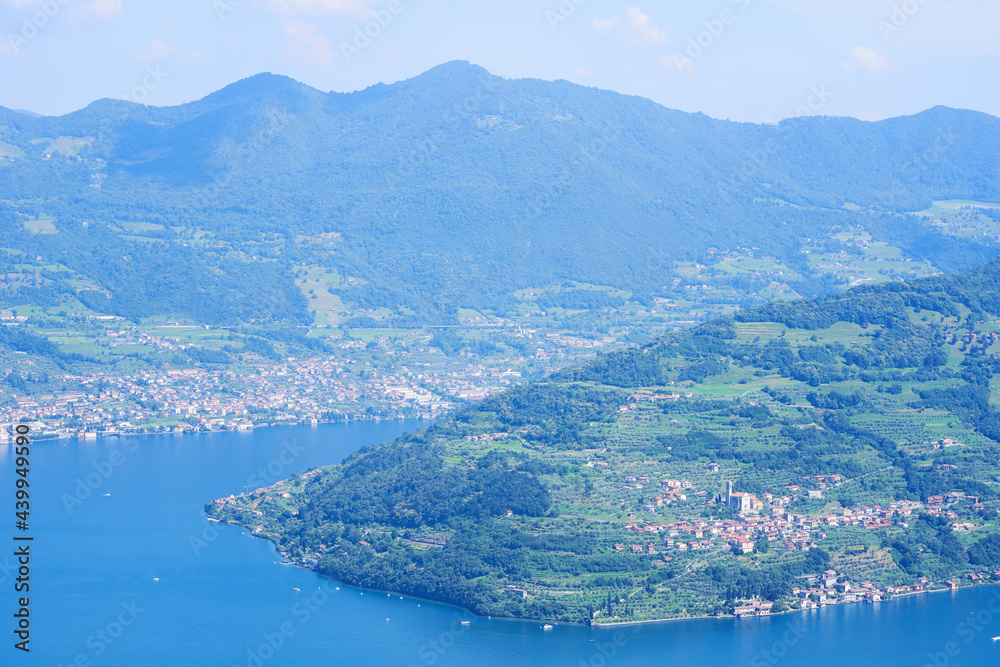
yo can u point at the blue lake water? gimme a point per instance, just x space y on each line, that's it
140 578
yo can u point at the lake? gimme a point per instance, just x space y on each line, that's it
126 570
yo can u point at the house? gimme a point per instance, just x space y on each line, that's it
754 609
741 543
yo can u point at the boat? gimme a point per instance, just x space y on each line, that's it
546 627
296 590
466 622
997 638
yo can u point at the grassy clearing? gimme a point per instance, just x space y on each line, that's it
41 225
943 207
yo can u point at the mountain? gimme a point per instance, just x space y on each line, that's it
453 189
860 434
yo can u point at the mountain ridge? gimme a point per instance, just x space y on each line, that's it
490 182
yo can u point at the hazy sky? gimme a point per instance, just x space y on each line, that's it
752 60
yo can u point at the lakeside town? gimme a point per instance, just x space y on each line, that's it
381 375
187 400
764 524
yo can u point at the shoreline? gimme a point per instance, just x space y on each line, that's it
47 439
897 596
616 624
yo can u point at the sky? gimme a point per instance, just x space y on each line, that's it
743 60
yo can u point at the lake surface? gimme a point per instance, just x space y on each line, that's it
141 578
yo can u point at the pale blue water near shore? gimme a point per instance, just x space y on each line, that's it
139 578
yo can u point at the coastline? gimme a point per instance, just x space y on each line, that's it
895 597
615 624
46 438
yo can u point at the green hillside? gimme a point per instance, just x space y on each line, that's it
864 425
452 189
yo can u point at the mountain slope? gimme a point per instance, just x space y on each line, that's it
456 187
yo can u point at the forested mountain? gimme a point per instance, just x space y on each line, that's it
862 430
453 188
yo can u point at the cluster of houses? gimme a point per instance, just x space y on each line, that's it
671 490
572 341
794 531
832 588
488 437
296 390
135 337
987 338
786 529
201 399
636 399
944 443
827 588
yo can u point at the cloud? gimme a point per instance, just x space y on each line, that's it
604 25
678 63
865 59
8 50
159 50
635 28
305 46
321 7
582 73
868 114
103 8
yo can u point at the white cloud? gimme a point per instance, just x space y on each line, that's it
635 27
159 50
865 59
8 50
678 63
103 8
603 25
583 73
868 114
305 47
320 7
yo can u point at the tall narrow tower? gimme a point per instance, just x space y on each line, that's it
729 493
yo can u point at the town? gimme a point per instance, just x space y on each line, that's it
395 376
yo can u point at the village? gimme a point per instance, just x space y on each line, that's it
375 376
763 524
296 391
